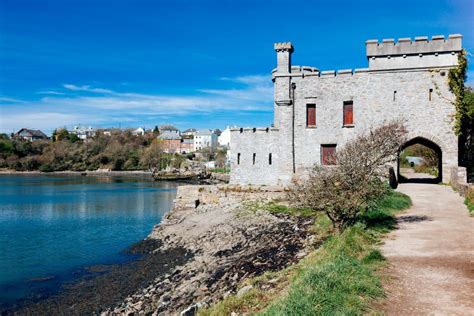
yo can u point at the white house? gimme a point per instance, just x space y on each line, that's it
83 132
224 138
205 138
139 131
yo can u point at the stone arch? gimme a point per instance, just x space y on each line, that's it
431 142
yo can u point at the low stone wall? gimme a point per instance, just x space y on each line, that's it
458 180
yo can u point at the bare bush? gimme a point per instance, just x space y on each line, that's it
351 186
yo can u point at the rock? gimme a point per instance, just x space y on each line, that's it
244 290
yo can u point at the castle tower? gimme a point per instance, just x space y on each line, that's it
420 53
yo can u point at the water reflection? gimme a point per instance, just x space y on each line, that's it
51 224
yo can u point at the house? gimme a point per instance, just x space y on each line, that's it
171 139
30 134
139 131
224 138
190 132
168 128
316 112
83 132
205 138
187 145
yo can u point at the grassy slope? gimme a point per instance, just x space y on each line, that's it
340 277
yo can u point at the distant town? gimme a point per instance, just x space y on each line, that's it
174 140
85 148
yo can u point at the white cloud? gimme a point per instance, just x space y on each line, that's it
10 100
95 105
45 121
87 89
51 92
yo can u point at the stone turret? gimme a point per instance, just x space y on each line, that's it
284 51
419 53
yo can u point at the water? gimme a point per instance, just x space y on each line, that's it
51 226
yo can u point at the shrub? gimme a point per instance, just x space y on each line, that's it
356 183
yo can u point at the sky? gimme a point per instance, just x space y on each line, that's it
201 64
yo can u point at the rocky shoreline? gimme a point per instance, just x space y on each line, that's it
212 240
229 242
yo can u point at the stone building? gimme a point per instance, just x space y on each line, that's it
315 112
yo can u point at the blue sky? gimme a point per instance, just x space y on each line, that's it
195 63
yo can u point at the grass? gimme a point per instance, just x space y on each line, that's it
469 201
220 170
338 278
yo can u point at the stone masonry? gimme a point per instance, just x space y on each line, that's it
406 79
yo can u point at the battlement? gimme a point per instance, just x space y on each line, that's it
421 45
283 46
253 129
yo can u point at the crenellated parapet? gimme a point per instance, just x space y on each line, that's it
421 52
283 47
420 45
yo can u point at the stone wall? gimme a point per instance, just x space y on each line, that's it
418 94
259 142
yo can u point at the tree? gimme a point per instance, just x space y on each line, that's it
345 190
60 134
152 155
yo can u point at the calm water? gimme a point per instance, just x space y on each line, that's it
51 226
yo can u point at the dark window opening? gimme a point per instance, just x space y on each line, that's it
253 158
270 159
238 158
430 93
328 155
394 95
310 115
348 119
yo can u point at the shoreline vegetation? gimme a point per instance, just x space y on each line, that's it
340 276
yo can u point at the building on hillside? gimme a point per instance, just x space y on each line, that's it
171 139
205 138
168 128
83 132
224 138
139 131
316 112
30 134
187 145
189 132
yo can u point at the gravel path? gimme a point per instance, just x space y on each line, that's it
431 255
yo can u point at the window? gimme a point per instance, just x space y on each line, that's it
394 95
269 158
348 113
311 115
430 93
238 158
328 155
253 158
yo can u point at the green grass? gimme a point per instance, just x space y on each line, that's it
338 278
469 201
220 170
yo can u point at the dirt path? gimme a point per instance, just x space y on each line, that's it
431 255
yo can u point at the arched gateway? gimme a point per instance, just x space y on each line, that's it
439 157
315 112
